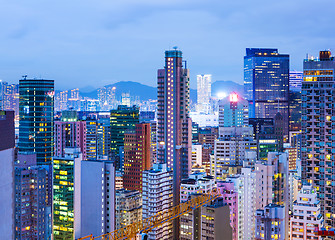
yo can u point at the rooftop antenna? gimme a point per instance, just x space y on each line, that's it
175 47
24 77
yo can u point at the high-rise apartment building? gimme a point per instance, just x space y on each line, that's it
156 197
266 83
210 221
174 132
31 210
204 93
239 192
137 156
235 145
7 157
197 183
128 207
36 130
317 130
306 215
233 111
271 222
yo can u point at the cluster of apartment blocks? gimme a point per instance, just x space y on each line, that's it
253 175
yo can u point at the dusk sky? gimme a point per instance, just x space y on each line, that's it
95 43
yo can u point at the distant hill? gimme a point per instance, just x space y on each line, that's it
146 92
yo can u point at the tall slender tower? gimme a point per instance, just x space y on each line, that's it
174 133
36 111
318 119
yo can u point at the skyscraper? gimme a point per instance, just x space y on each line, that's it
36 130
266 83
174 133
136 156
204 92
317 130
121 119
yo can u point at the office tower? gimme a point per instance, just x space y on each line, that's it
128 207
70 133
271 222
295 80
157 196
295 110
197 183
233 111
7 156
122 119
63 194
317 134
239 192
204 92
80 188
174 132
235 145
210 221
36 130
31 210
137 156
306 215
266 83
268 134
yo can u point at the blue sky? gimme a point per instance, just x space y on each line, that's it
94 43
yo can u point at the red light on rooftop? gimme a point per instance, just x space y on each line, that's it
233 97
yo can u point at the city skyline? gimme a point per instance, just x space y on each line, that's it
61 48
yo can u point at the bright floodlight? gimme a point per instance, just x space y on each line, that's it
233 97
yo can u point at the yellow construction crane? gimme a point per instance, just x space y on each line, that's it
146 225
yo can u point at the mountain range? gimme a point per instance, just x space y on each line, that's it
146 92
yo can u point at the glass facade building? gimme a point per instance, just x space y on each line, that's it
266 83
63 197
36 111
